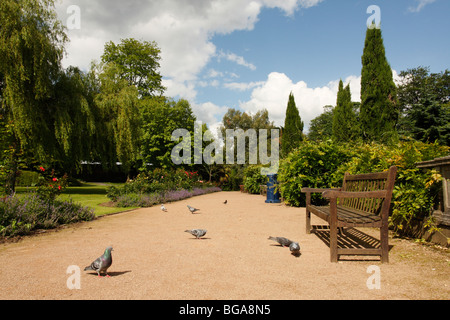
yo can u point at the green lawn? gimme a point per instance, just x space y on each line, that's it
88 194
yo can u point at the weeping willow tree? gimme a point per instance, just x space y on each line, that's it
31 48
119 124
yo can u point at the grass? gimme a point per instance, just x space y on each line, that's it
88 194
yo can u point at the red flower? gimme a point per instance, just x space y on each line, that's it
42 169
59 187
55 179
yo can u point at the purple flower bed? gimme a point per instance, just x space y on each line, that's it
148 200
21 215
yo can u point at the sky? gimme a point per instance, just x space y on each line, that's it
251 54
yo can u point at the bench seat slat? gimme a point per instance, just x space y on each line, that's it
347 217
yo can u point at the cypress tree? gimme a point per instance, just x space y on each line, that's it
293 128
344 126
379 110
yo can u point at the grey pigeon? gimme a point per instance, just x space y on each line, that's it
163 208
197 233
192 210
281 240
102 263
295 248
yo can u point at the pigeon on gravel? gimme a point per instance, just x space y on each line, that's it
295 248
197 233
281 240
102 263
192 210
163 208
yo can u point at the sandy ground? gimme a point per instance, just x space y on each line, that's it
154 258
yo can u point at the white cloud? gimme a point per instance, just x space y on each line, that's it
242 86
421 4
183 30
273 95
237 59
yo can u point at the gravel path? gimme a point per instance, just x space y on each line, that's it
154 258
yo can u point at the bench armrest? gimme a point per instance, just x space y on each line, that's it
350 194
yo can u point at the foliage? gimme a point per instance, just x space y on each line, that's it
160 117
320 128
253 179
345 124
233 177
379 108
31 48
424 100
137 62
314 165
22 215
148 200
49 186
292 133
158 181
322 165
415 190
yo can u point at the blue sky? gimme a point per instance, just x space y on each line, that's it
250 54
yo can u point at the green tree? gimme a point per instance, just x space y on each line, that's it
321 126
379 108
424 100
160 117
235 119
31 48
292 133
344 118
118 105
138 63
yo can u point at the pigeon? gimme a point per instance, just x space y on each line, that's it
163 208
197 233
295 248
225 202
102 263
192 210
282 241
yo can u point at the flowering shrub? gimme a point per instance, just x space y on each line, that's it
49 185
22 215
148 200
158 181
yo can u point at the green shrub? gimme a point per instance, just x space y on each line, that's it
323 165
158 181
27 179
415 190
253 179
312 165
22 215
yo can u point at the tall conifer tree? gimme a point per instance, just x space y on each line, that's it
379 109
292 133
344 118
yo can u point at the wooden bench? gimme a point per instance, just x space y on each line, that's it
363 201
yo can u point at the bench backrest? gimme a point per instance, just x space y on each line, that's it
369 182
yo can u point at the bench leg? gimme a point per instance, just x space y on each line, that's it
308 213
333 244
384 243
308 221
333 231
